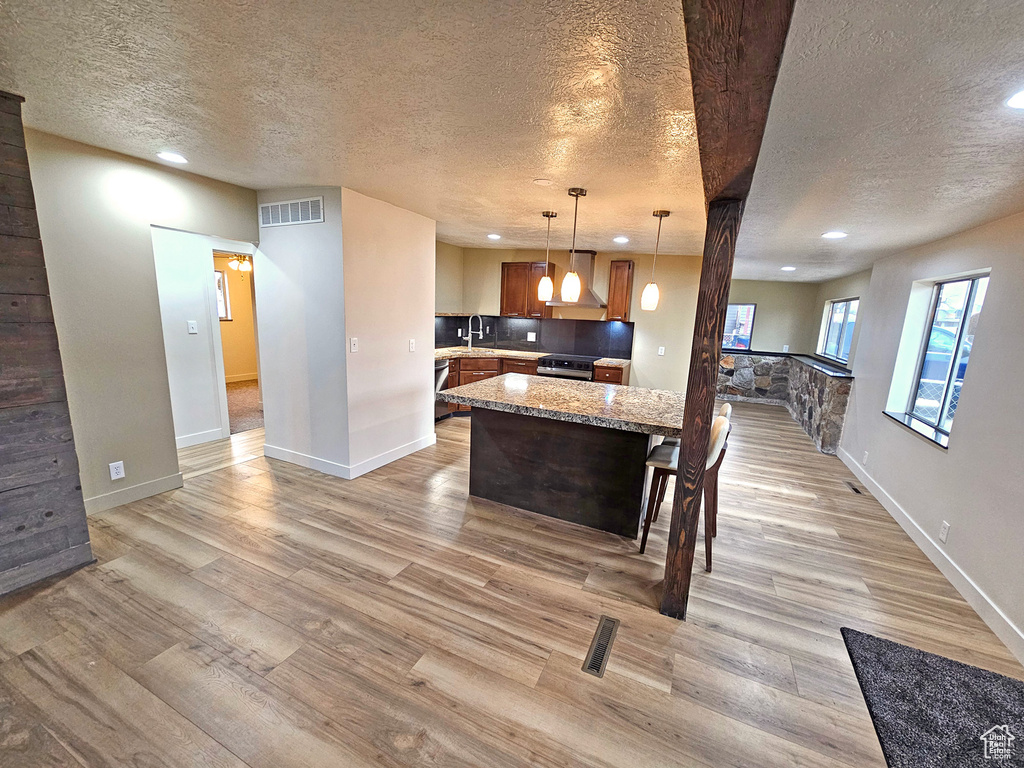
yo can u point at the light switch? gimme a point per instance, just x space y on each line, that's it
353 344
531 336
193 327
661 351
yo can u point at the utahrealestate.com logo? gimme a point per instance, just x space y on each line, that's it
998 743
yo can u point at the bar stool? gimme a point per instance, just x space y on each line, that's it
664 459
725 410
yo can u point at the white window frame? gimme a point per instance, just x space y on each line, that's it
827 323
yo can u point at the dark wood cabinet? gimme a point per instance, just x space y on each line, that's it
519 282
620 290
509 365
534 306
611 374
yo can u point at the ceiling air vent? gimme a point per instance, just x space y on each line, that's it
309 211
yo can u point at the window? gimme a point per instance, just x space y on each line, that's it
840 319
947 348
220 283
739 326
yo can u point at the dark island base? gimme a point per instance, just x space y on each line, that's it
589 475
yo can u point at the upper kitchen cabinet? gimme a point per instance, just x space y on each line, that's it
519 282
620 290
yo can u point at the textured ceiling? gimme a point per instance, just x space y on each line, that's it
449 109
887 122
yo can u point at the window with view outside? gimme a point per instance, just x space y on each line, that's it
842 317
739 326
947 351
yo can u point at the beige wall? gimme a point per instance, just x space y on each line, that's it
852 286
95 210
669 326
448 277
786 314
975 484
238 337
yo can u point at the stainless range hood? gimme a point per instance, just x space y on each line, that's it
584 262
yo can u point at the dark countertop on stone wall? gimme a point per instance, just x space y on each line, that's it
834 370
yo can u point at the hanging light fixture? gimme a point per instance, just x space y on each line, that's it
649 298
571 284
240 263
546 288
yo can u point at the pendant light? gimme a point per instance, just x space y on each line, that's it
649 298
240 263
546 288
571 284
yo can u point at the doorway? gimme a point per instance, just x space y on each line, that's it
236 309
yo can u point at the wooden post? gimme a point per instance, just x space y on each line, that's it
734 48
42 516
712 300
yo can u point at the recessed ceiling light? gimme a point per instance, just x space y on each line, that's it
1016 101
834 235
621 239
789 269
542 182
494 237
172 157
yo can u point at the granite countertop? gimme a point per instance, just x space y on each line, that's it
448 353
631 409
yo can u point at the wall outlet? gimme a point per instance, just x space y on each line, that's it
531 336
864 461
943 531
412 345
488 330
785 347
353 344
459 331
117 470
193 327
661 350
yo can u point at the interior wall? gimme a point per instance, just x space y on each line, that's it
195 362
238 335
787 314
95 211
975 484
852 286
449 263
300 300
389 301
669 326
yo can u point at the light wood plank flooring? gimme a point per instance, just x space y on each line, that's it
265 615
219 454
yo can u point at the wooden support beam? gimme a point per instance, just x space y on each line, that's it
712 300
734 49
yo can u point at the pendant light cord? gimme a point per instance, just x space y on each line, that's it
547 249
657 243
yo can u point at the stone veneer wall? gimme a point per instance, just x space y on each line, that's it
815 400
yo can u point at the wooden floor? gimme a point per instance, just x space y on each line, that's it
269 616
219 454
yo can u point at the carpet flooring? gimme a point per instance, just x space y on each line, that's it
245 411
933 712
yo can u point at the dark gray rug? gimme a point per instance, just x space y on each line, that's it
933 712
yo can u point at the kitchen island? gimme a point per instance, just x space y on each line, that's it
575 450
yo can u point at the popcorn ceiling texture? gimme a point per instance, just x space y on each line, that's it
448 109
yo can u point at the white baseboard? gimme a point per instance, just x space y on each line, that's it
990 613
347 471
241 377
132 493
201 437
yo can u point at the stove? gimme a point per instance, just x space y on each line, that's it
579 367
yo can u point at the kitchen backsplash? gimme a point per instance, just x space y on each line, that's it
568 337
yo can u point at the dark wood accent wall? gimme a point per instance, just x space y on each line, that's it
735 49
42 514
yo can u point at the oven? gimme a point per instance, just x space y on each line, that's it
578 367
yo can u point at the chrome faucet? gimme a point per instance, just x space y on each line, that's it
479 333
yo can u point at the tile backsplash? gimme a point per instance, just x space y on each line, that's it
571 337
